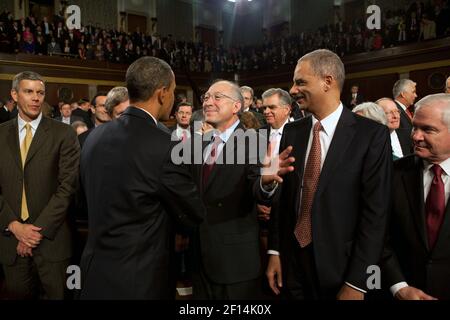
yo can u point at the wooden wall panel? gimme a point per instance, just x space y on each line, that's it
372 88
430 81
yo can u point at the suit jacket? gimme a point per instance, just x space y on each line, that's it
50 174
404 137
4 115
407 256
134 195
359 99
82 137
72 119
228 239
85 115
405 121
350 207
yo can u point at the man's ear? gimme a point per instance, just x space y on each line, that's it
161 95
14 95
237 107
328 80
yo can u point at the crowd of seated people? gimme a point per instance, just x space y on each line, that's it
419 22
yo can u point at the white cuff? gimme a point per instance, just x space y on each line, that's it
396 287
273 252
356 288
268 193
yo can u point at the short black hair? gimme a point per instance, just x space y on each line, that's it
145 76
99 94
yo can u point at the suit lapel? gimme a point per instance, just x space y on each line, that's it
342 138
300 146
444 233
412 178
13 143
40 137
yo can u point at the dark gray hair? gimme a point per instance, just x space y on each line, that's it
26 75
247 89
115 96
145 76
285 97
400 86
326 63
372 111
437 99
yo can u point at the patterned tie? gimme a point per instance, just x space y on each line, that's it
23 153
303 231
435 206
211 160
184 136
273 142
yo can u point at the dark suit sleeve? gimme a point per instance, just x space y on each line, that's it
180 193
274 226
6 214
375 191
54 214
391 271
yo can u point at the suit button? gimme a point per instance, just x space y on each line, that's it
219 204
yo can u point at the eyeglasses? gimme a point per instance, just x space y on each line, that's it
393 113
215 96
182 113
272 107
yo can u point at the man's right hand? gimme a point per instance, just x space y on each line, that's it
26 233
273 274
411 293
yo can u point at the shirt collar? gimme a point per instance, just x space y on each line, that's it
330 122
280 129
156 122
401 105
445 165
182 129
224 136
34 124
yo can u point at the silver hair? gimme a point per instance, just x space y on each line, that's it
400 86
26 75
248 89
285 97
384 99
435 100
372 111
115 96
236 92
326 63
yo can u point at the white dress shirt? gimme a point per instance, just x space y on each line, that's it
65 120
395 144
21 126
428 176
326 135
276 134
180 130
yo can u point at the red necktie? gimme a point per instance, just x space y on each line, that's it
211 160
184 136
303 230
435 206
